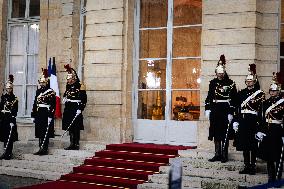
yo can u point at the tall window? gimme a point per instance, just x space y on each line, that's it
169 59
282 42
23 46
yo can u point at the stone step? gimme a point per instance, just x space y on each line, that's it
62 168
29 173
73 153
54 159
225 175
149 185
229 166
205 154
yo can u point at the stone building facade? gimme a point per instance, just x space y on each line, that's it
246 31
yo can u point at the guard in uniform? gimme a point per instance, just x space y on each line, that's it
219 109
75 99
43 113
271 133
247 119
8 126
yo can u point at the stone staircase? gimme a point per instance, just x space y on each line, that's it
199 173
48 167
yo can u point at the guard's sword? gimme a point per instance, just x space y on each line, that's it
69 125
10 134
226 137
280 161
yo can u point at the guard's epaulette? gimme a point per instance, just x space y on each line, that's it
83 87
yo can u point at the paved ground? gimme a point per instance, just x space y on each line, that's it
9 182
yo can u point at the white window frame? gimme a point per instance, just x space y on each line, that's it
13 22
169 59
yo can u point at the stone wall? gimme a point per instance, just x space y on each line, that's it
246 32
105 69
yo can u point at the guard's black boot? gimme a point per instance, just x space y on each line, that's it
71 146
252 170
271 172
76 139
43 152
44 149
246 170
224 158
217 156
247 167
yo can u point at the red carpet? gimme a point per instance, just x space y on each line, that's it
121 166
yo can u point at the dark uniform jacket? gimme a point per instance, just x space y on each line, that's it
8 113
75 99
249 110
272 125
221 101
44 108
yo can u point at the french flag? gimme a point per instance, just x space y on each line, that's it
54 85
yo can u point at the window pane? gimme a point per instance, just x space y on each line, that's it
32 70
187 41
187 12
281 70
151 105
34 8
18 8
153 13
17 40
17 69
152 74
282 11
185 105
18 92
31 90
33 39
153 43
186 74
282 40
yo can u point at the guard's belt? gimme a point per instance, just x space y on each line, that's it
248 112
274 121
218 101
6 111
43 106
69 100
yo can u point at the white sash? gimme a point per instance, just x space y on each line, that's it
45 92
273 106
250 97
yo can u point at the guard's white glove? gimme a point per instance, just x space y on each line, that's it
49 120
230 118
236 126
12 125
259 136
78 112
207 114
64 100
283 140
33 119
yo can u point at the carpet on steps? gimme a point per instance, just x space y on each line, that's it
119 166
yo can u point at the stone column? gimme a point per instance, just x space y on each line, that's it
103 69
3 41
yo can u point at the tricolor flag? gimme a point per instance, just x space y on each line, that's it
54 86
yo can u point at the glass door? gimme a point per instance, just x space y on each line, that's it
166 70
